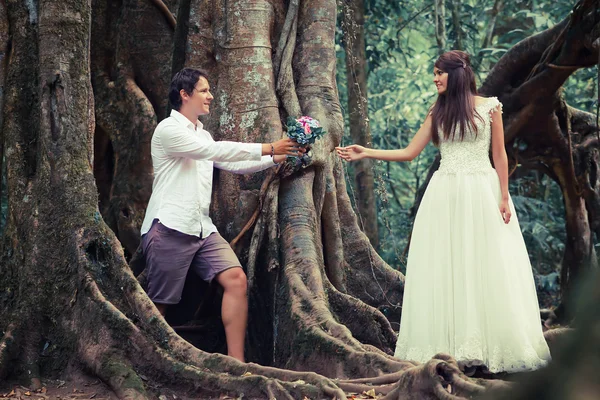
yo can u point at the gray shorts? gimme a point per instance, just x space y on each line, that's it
170 254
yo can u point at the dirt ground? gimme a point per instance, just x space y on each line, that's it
78 386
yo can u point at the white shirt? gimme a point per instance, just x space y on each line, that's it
183 156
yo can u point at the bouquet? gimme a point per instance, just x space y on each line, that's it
304 130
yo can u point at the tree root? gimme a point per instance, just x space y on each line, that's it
335 265
366 323
168 352
436 379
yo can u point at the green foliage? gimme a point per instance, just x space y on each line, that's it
401 48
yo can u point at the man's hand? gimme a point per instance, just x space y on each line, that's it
351 153
284 146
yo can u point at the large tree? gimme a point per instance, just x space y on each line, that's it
86 83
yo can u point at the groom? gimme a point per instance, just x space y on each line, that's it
177 233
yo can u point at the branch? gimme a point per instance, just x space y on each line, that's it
408 21
166 12
492 24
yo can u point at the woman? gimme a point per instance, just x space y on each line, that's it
469 286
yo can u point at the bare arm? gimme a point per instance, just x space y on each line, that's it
500 160
414 148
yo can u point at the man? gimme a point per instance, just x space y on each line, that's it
177 233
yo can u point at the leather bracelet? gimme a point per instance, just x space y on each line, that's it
272 150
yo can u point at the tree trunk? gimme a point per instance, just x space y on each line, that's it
455 6
353 12
440 25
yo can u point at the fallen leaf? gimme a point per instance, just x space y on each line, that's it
247 373
371 393
299 382
27 393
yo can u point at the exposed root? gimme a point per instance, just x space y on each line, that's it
273 229
383 380
200 370
282 64
335 266
366 323
436 379
362 387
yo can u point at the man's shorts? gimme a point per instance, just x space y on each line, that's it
170 254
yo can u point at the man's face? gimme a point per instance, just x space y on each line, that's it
200 98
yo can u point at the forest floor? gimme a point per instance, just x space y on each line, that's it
76 385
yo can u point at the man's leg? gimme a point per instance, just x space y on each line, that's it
234 310
162 308
169 254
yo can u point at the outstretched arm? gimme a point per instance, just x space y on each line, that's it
178 142
417 144
248 167
500 161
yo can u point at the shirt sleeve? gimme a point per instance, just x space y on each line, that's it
246 167
178 142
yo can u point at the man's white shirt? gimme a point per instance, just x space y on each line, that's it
183 156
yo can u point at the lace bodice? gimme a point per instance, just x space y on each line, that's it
471 155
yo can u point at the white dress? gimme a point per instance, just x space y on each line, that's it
469 285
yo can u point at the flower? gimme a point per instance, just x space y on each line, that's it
304 130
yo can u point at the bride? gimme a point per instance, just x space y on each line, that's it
469 285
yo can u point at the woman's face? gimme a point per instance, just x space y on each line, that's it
440 78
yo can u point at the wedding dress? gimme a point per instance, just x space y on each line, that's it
469 285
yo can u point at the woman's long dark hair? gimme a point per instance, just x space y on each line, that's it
456 106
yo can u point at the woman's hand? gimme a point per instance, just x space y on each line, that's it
352 153
505 211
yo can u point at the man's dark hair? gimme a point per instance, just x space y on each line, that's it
185 79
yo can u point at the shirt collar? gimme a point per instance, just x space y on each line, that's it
182 119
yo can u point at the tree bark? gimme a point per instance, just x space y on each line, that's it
456 6
353 12
440 25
